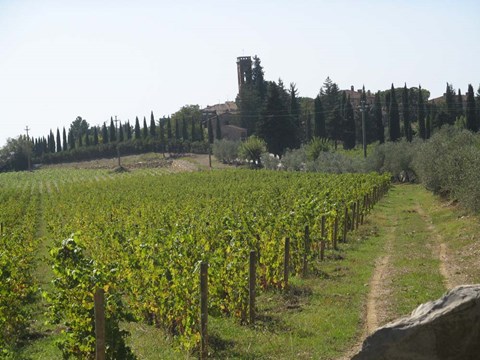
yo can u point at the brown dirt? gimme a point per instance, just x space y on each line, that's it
377 305
188 162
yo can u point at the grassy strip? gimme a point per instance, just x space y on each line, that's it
40 343
460 231
415 276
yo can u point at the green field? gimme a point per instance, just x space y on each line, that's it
141 236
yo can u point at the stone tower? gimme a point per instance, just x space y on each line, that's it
244 70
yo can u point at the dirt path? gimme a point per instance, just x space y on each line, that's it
379 292
440 249
378 295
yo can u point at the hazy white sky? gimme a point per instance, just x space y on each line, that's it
63 59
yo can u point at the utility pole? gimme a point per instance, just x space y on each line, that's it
28 150
116 126
364 134
118 140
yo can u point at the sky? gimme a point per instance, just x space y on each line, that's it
96 59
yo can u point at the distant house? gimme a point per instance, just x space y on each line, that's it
441 99
227 113
232 132
356 96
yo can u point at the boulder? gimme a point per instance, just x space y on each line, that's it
447 328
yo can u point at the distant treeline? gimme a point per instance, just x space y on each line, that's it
272 113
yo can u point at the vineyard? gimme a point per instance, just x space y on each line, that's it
141 237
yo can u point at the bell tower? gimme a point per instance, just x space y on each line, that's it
244 70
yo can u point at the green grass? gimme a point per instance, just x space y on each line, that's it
415 276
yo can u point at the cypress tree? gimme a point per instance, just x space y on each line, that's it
80 138
450 103
65 143
349 127
378 115
210 131
95 136
421 114
145 128
177 130
276 128
308 127
104 134
113 135
121 136
184 129
477 105
138 134
152 125
162 130
331 104
428 126
343 103
319 119
87 138
258 79
51 142
218 129
45 145
59 141
202 133
471 114
192 130
336 122
71 140
406 114
169 128
394 117
128 129
387 101
294 105
459 104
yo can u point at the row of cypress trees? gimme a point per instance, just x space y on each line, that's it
161 131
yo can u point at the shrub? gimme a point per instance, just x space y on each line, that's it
337 163
449 164
226 150
295 160
395 158
252 150
316 146
269 161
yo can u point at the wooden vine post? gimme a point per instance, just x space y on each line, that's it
306 252
99 310
286 262
322 240
354 206
251 287
357 222
345 225
204 310
364 209
335 233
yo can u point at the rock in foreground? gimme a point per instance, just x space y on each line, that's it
447 328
